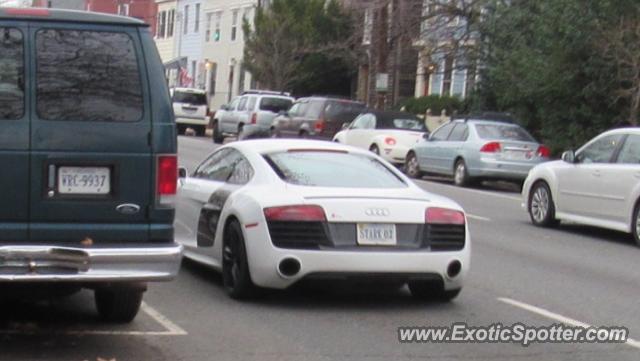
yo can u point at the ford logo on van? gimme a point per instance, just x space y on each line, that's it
128 208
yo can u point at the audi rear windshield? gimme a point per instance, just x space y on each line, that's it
332 169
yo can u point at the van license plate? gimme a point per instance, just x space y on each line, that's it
376 234
84 180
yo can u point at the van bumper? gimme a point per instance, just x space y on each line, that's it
47 263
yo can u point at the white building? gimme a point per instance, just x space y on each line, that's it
165 36
223 48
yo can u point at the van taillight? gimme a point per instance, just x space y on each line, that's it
319 126
254 118
166 179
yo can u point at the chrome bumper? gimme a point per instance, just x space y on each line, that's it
67 264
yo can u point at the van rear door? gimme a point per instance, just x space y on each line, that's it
91 159
14 134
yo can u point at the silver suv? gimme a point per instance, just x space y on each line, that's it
253 109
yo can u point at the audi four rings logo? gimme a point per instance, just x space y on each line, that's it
380 212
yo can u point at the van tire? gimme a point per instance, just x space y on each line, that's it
200 130
118 304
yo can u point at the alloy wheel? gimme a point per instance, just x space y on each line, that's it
540 205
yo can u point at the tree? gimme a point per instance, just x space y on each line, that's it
295 44
621 45
541 62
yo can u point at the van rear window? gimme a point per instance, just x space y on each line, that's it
11 74
87 76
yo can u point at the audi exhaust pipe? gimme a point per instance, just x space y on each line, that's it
454 268
289 267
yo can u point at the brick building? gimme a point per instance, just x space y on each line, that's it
145 10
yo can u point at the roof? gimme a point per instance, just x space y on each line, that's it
263 146
389 114
45 14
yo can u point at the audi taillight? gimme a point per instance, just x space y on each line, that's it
390 141
166 179
298 213
544 151
319 126
435 215
493 147
254 118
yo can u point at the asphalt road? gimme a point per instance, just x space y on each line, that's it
520 273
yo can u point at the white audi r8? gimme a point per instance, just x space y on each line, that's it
270 213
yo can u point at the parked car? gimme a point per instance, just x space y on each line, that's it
271 213
385 133
598 185
88 152
254 109
316 117
472 149
191 109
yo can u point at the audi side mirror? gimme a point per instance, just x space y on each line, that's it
569 156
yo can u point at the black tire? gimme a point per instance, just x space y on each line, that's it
303 134
181 129
201 130
218 137
635 226
541 207
118 304
432 291
236 276
412 167
461 176
374 149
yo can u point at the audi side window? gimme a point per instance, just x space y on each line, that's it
600 151
87 76
11 74
242 171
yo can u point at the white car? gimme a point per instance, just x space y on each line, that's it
389 134
598 185
191 109
269 213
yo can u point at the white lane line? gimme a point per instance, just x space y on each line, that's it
171 327
478 218
556 316
486 193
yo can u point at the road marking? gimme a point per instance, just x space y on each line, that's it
171 329
479 218
556 316
486 193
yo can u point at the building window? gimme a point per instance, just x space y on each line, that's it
213 74
186 19
246 16
207 34
171 22
241 79
368 26
234 25
123 9
162 24
218 27
447 76
196 20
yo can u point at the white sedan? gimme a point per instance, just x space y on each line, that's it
388 134
270 213
598 185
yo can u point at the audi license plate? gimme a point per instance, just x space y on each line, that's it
376 234
84 180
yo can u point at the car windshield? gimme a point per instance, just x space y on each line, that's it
337 107
319 169
189 98
409 124
503 132
275 105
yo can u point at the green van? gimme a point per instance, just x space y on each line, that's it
87 157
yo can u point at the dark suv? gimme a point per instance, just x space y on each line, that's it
88 157
316 117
